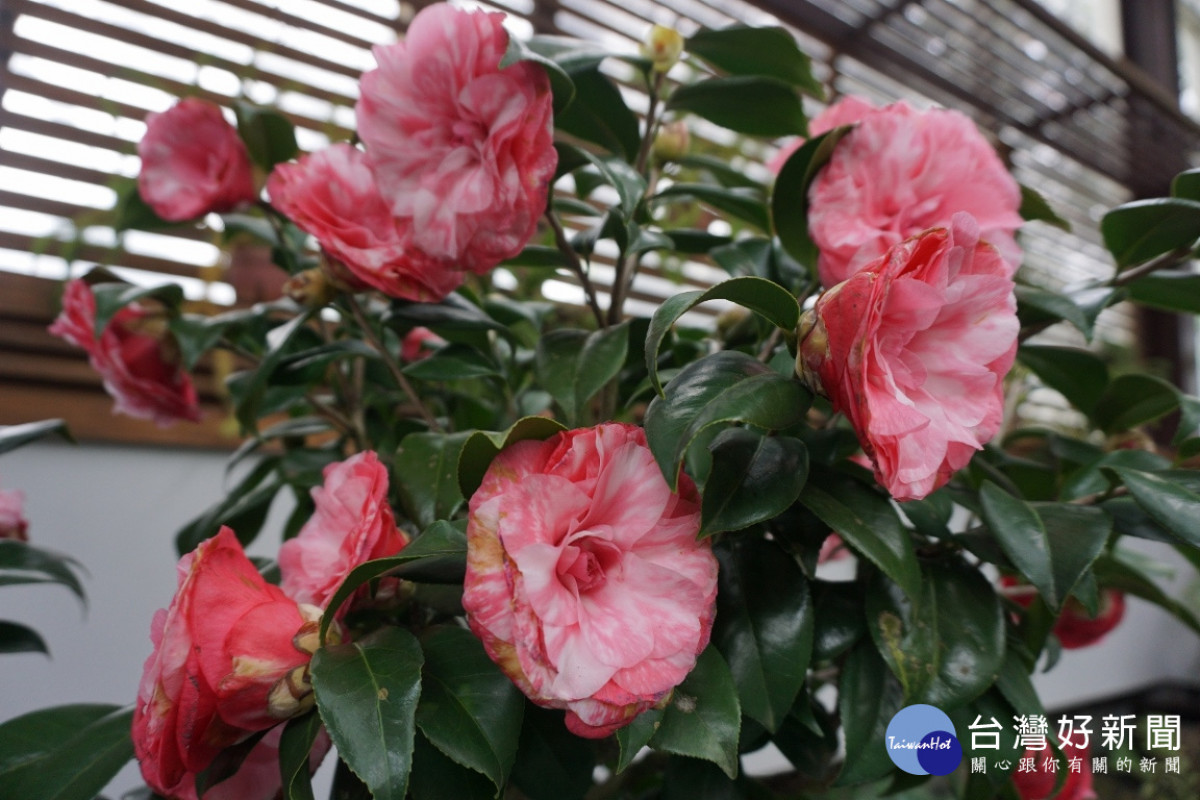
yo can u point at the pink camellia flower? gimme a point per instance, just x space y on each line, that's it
914 349
135 356
193 162
461 149
585 580
230 658
332 195
419 343
353 523
1039 784
13 524
847 111
902 171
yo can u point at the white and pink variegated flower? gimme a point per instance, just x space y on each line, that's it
352 524
585 579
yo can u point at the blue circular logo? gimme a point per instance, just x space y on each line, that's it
921 740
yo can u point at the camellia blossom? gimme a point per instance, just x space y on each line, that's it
461 149
1075 627
419 343
332 195
193 162
585 580
13 524
902 171
353 523
135 356
230 658
914 349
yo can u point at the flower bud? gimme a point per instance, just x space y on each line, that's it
310 288
662 46
12 517
672 142
812 350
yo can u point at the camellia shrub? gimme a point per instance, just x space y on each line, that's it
556 552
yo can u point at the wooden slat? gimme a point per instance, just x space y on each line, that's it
98 255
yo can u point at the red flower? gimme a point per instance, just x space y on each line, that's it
1074 627
12 515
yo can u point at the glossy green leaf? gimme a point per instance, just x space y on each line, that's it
561 85
195 335
435 776
1034 206
789 198
751 104
1091 478
1141 230
691 779
1186 185
703 719
269 136
725 387
426 469
1114 572
14 436
1079 375
1052 545
1016 687
629 183
469 709
1179 291
769 299
694 241
22 563
599 115
367 694
868 698
867 522
600 361
745 50
452 318
749 256
1132 400
17 638
295 744
745 204
945 647
483 446
244 508
753 479
1038 306
840 622
278 339
451 363
636 735
764 626
438 555
64 753
1174 507
552 763
723 171
112 297
540 256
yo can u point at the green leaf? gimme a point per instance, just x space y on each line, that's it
367 694
469 709
868 698
22 563
483 446
540 256
1132 400
14 436
703 719
769 52
1037 305
767 298
754 478
561 84
745 204
945 647
294 747
451 318
426 469
269 136
1169 291
1172 506
867 522
840 622
725 173
722 388
64 753
436 777
438 555
553 763
600 361
453 362
599 115
694 241
1114 572
1141 230
636 735
764 626
789 198
1077 374
17 638
196 335
256 389
112 297
691 779
1034 206
629 183
749 104
131 212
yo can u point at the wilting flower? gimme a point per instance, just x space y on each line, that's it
230 658
462 150
902 171
13 524
914 349
1075 627
1039 784
332 195
193 162
585 580
352 524
134 354
847 111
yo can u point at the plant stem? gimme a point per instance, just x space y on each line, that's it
1170 259
589 290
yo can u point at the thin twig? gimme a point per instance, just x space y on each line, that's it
1170 259
589 290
